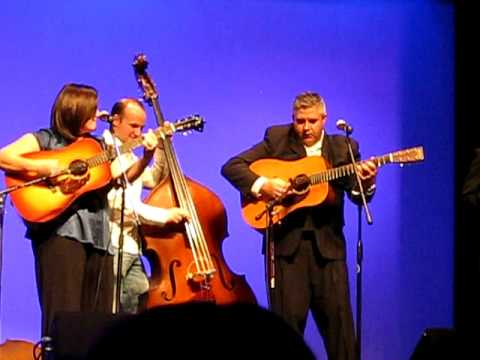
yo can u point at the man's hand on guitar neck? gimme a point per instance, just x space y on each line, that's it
149 142
367 171
134 170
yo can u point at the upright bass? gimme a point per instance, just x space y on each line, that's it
187 264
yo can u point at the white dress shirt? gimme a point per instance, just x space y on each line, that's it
135 211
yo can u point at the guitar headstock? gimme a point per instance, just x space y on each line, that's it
193 122
144 81
410 155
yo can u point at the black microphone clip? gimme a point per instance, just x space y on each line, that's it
104 116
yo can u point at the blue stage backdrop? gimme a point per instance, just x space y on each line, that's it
384 66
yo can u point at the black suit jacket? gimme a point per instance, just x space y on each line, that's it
326 220
471 187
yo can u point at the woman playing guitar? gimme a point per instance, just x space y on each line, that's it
72 262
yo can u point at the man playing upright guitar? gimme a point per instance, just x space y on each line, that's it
310 256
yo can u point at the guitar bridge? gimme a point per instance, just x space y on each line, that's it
68 184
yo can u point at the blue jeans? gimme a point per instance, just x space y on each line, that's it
133 284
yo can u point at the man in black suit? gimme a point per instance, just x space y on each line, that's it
310 256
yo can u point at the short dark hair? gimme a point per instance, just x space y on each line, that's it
120 105
73 106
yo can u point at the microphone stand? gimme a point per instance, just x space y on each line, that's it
269 251
118 290
123 185
348 132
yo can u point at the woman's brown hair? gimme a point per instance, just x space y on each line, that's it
73 106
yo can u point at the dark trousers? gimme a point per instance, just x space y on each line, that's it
306 281
71 276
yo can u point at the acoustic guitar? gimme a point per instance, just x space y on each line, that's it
86 167
309 186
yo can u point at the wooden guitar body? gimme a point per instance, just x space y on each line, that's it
46 200
19 350
253 211
309 180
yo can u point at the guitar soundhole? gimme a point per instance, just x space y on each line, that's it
300 184
78 167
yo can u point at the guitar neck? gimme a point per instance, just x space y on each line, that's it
111 154
347 170
132 144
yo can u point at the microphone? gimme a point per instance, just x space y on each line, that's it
343 125
104 116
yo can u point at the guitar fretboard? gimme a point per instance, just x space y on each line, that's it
347 170
110 154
